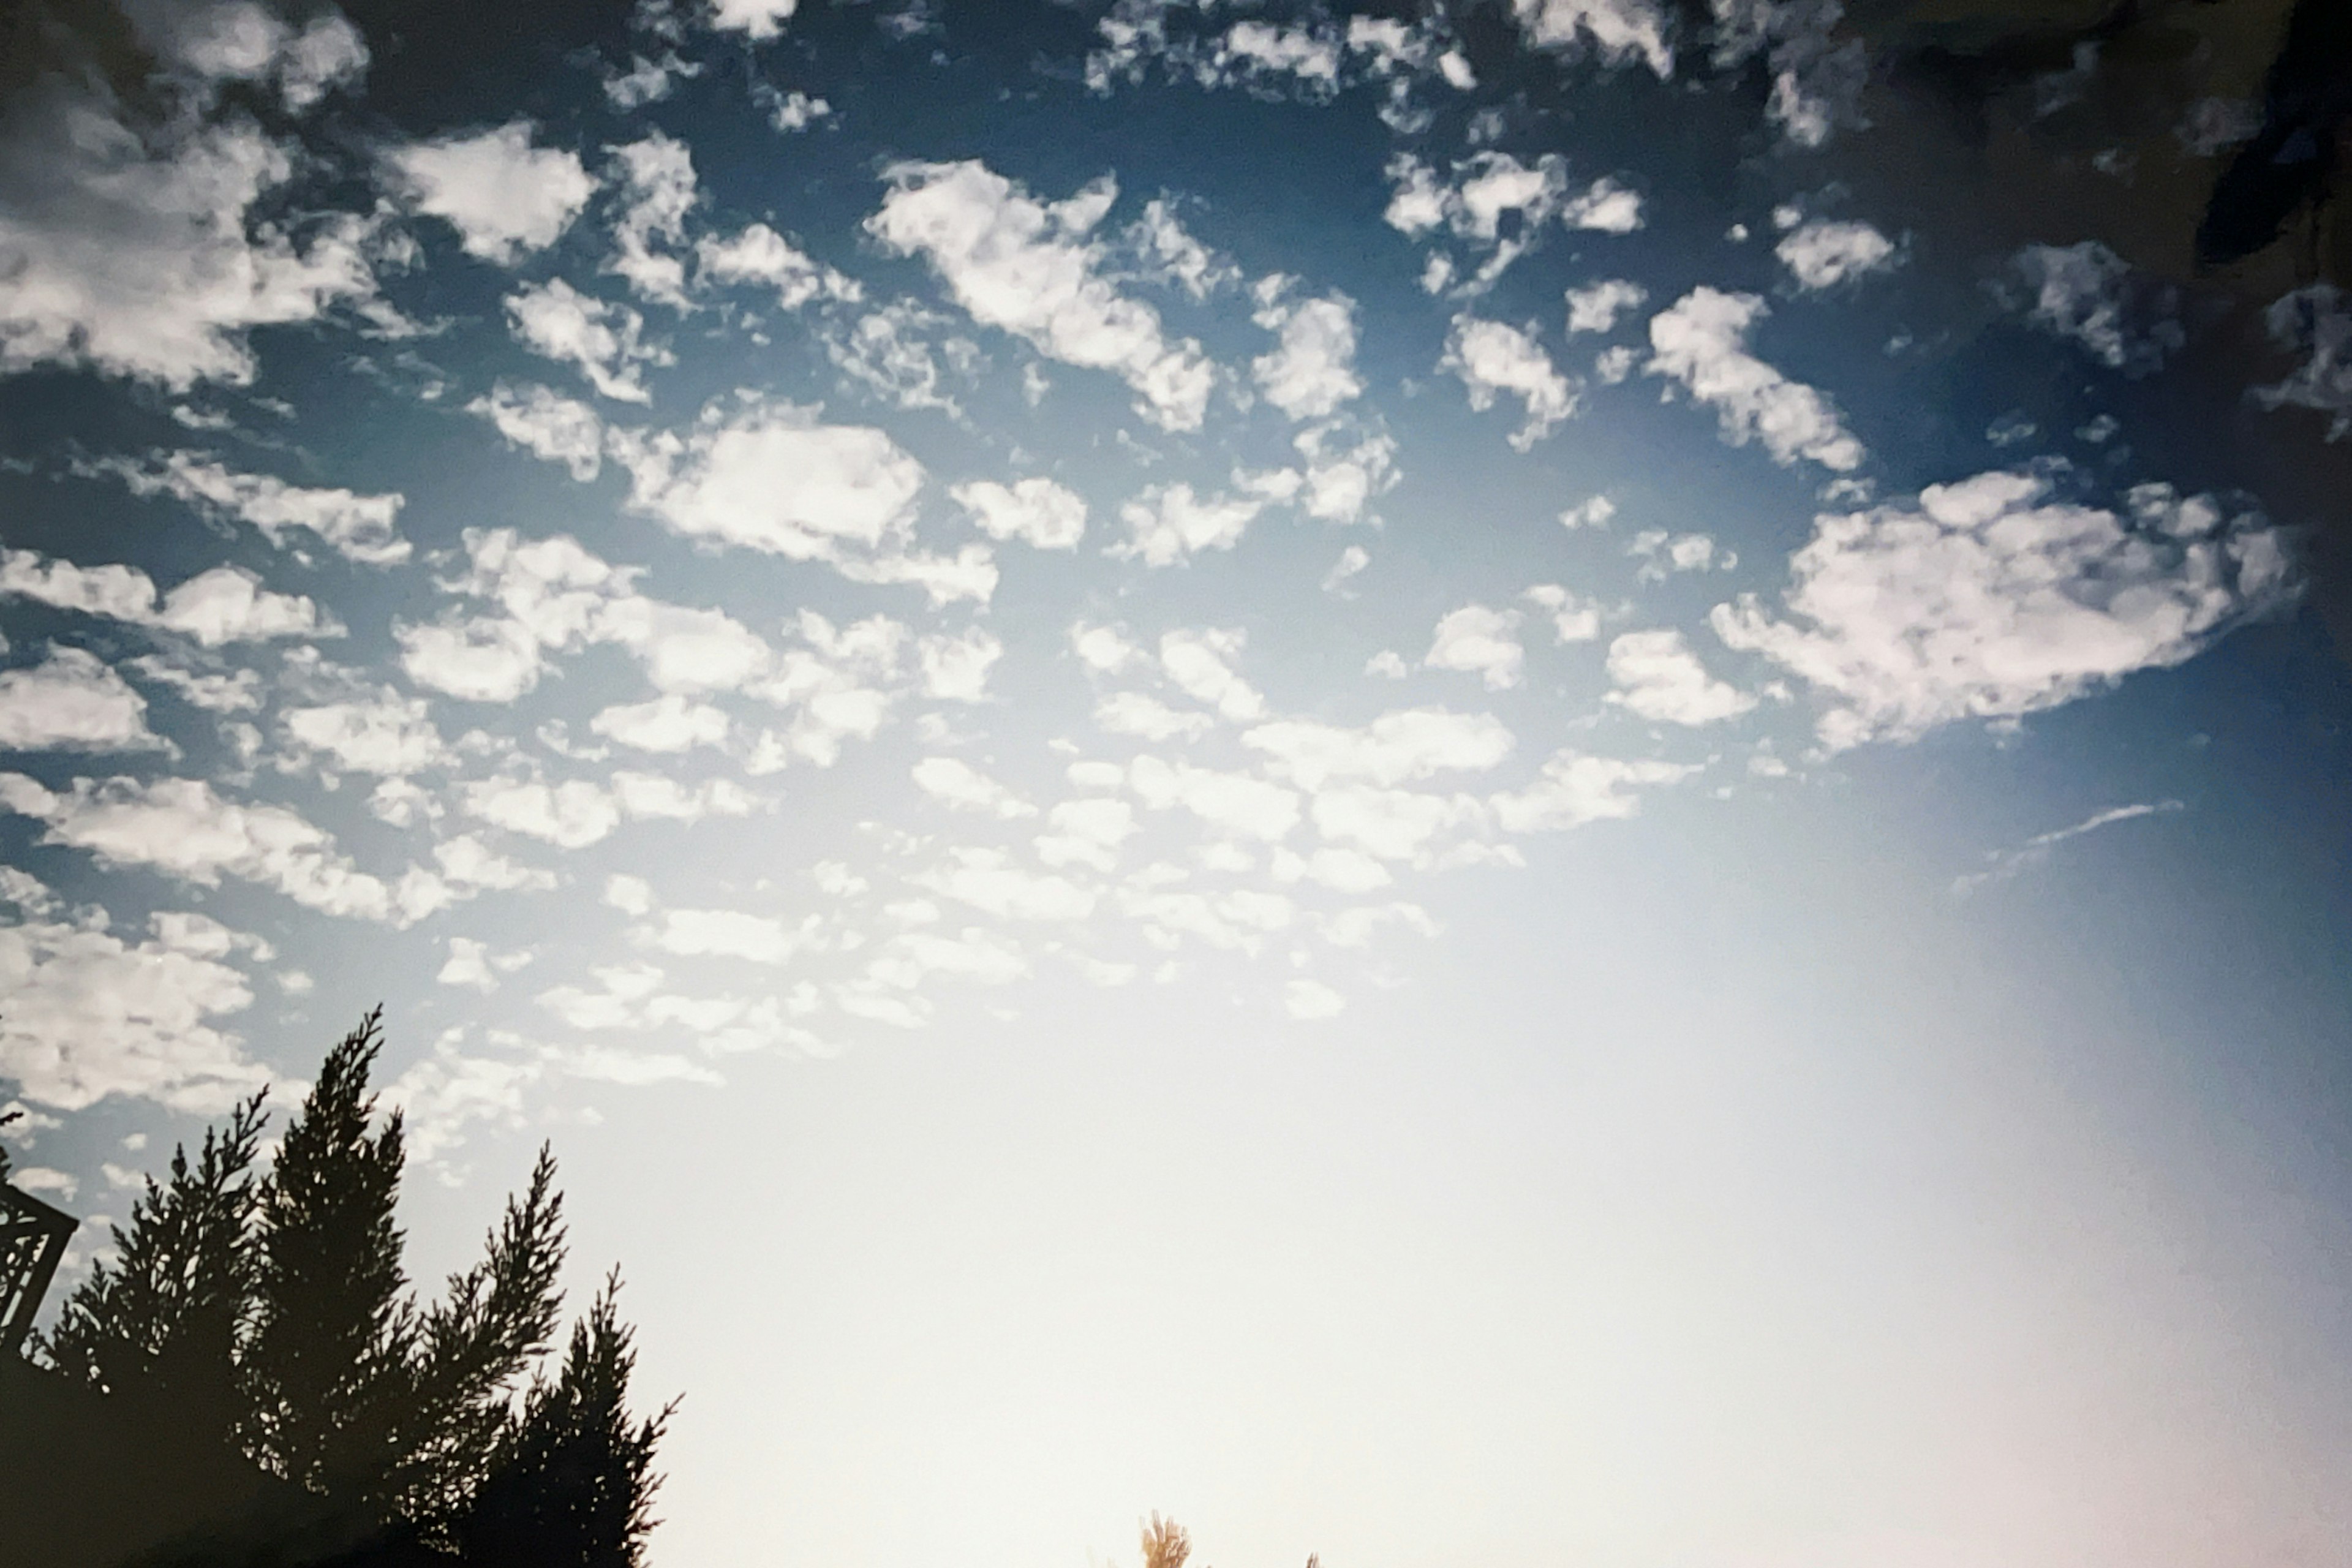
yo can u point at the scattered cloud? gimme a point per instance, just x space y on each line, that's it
1494 357
1479 641
72 701
1654 674
504 195
1701 342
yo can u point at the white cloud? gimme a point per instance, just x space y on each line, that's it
2089 295
649 81
1657 675
1394 824
2315 322
224 605
570 815
1702 342
1036 510
989 880
1341 479
724 933
547 424
1822 254
2007 863
772 479
478 660
1397 747
1200 664
1605 206
1168 523
1662 554
958 785
955 668
760 255
181 829
1388 665
1313 370
1177 258
657 171
1311 999
604 339
135 253
503 196
886 352
1494 357
72 701
1619 31
472 965
90 1015
1148 718
359 527
1236 803
841 686
1572 619
386 736
1479 641
1086 832
1576 788
672 722
1031 268
1596 306
1987 599
756 19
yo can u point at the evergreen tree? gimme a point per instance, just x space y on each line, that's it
333 1332
159 1326
572 1482
496 1320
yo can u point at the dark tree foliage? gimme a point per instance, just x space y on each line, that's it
333 1333
572 1482
273 1312
159 1326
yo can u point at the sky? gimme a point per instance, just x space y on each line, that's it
1537 780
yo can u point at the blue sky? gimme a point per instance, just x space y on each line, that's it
1551 780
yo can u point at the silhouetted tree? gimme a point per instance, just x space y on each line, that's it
274 1311
572 1482
158 1327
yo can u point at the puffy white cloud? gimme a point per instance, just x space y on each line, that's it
1987 599
1619 31
912 958
1817 72
1572 619
649 81
547 424
1657 675
1176 256
1596 306
1576 788
756 19
1168 523
91 1014
604 339
841 685
1341 478
503 196
658 795
1397 747
760 255
1199 665
957 784
1148 718
1394 824
72 701
1036 510
724 933
1702 342
1032 268
989 880
181 829
1822 254
1313 370
1662 555
2315 322
388 736
1311 999
1605 206
672 722
224 605
658 173
1493 357
1236 803
479 660
1479 641
139 254
955 666
2089 295
571 816
1086 832
359 527
889 355
472 965
772 479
